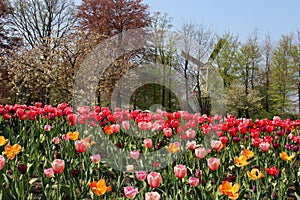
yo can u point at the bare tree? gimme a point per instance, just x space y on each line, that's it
39 21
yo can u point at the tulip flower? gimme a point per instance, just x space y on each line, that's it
167 132
255 174
229 190
284 156
273 171
125 125
58 166
3 141
213 163
249 154
22 168
47 127
108 130
173 148
194 182
141 175
74 135
49 172
200 152
191 145
152 196
190 134
216 144
180 171
80 146
95 158
2 162
154 179
264 146
134 154
130 192
148 143
99 188
65 137
12 151
240 161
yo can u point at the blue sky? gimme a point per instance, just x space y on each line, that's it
241 17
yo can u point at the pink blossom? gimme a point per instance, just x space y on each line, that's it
95 158
213 163
130 192
49 172
194 182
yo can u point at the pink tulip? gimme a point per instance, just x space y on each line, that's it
213 163
167 132
58 166
56 140
200 152
152 196
180 171
216 144
194 182
130 192
65 137
125 125
191 145
190 134
264 146
95 158
141 175
134 154
148 143
154 179
80 146
49 172
47 127
115 128
2 162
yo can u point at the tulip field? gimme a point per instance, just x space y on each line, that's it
61 152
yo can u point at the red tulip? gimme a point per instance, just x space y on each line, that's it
273 171
58 166
213 163
154 179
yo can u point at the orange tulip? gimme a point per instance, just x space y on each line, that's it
99 188
229 190
286 157
74 135
108 130
249 154
173 148
12 151
3 141
240 161
255 174
87 140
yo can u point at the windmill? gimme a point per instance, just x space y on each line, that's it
203 88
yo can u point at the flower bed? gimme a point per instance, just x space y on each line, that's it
59 153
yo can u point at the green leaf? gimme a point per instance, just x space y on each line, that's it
33 180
